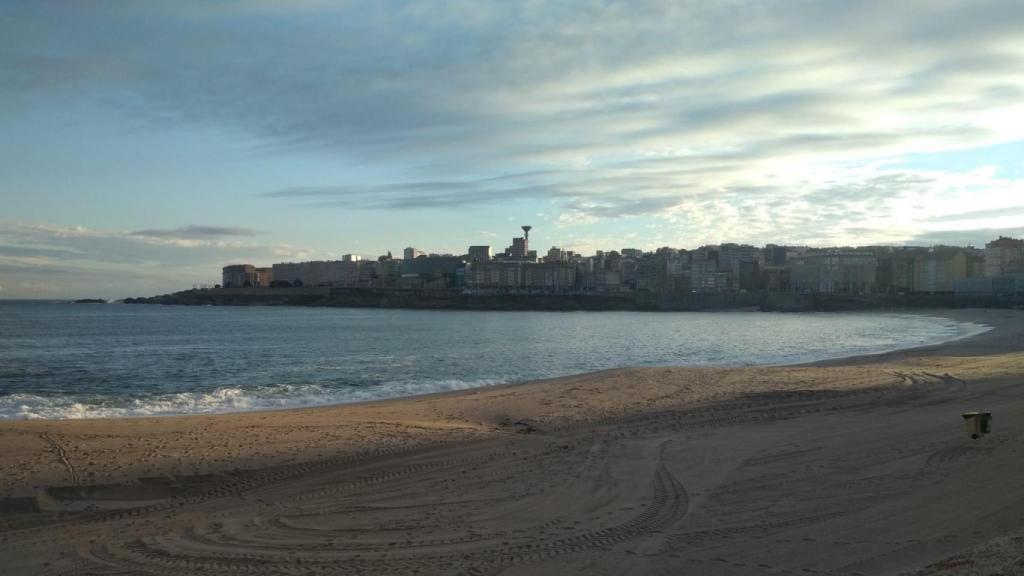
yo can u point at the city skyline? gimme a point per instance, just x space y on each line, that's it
727 267
145 145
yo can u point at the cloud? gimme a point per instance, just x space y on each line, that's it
717 119
41 259
1010 211
976 237
194 231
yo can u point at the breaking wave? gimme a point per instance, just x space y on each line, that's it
221 400
70 362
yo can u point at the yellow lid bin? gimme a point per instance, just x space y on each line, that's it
977 423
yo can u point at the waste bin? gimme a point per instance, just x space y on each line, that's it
977 423
985 422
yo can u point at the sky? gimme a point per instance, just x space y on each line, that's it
144 145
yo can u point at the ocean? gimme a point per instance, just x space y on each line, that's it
64 360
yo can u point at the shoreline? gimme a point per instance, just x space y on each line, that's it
967 317
990 340
454 299
733 442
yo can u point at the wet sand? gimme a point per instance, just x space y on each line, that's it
855 466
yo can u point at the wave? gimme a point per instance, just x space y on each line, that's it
913 331
221 400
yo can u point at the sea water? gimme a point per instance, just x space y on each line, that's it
63 360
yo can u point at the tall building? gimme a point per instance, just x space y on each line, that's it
732 256
938 269
630 273
750 276
556 254
479 253
553 276
238 276
1004 256
520 248
774 255
411 253
290 274
264 277
834 272
896 272
495 275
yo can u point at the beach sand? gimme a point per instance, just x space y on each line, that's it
855 466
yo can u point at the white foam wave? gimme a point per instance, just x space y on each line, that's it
221 400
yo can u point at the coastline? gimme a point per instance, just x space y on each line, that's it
458 299
686 411
318 389
990 340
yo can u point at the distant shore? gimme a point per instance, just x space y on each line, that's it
570 301
849 465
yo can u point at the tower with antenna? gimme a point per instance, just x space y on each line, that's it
520 248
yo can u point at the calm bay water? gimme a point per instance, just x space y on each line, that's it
60 360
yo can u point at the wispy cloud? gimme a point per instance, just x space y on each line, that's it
709 121
70 261
1002 212
195 231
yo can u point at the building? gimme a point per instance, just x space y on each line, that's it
433 272
896 273
775 278
556 254
239 276
975 262
411 253
479 253
652 271
608 280
834 272
351 258
334 273
323 273
549 276
705 275
264 277
290 274
387 271
938 269
630 273
774 255
1004 256
750 276
520 276
520 248
495 275
732 256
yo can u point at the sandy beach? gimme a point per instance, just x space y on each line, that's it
853 466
